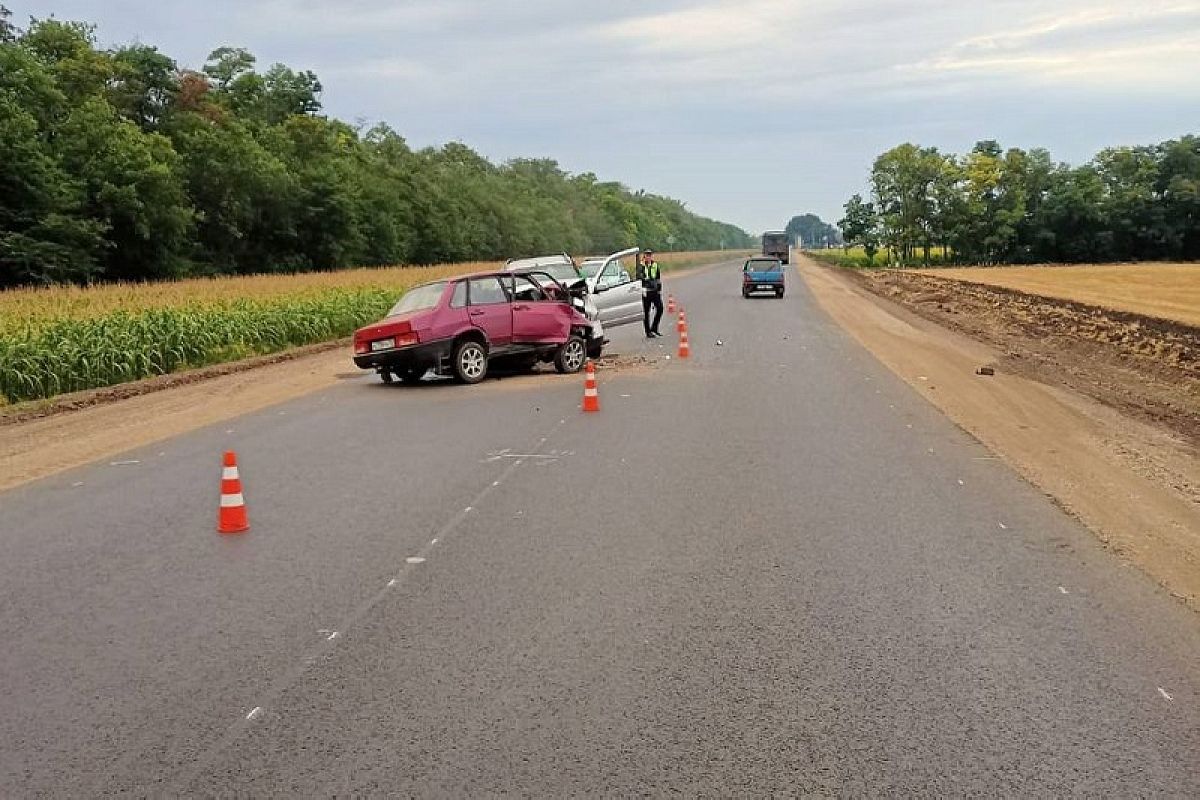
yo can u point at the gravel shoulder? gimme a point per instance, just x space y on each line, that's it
1128 469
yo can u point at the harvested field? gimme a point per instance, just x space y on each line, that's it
1168 291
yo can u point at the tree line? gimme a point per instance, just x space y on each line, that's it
118 164
995 206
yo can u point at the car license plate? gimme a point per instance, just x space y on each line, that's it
383 344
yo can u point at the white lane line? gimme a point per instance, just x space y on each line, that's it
123 463
1163 692
415 560
258 710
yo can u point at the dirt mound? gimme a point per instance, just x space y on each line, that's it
1143 366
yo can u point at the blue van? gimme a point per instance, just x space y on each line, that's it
762 275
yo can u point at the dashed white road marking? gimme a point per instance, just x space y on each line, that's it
1163 692
415 560
123 463
258 710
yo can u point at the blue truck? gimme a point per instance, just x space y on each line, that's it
761 274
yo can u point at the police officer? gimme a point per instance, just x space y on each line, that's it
651 277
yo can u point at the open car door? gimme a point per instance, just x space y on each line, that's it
618 296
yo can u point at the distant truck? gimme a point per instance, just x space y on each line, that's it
775 245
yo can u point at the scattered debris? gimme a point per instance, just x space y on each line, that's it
720 343
985 371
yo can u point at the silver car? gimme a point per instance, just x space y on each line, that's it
612 288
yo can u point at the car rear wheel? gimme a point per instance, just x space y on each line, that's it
570 357
470 361
779 292
385 375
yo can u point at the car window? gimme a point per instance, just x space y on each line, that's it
614 274
762 266
419 298
527 291
487 291
459 300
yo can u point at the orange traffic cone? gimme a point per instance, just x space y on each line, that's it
232 516
684 350
670 304
591 398
682 322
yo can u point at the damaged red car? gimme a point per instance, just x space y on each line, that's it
457 327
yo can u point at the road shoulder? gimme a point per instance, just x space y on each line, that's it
1134 485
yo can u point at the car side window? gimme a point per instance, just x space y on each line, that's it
527 291
487 291
459 298
613 274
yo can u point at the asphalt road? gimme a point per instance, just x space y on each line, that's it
773 568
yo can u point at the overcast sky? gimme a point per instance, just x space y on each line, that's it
748 110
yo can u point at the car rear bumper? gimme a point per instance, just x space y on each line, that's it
427 355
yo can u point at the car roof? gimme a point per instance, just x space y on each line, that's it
538 261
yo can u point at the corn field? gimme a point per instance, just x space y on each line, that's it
65 339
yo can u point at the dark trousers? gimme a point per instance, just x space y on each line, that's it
652 300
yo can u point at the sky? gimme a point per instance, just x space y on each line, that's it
750 111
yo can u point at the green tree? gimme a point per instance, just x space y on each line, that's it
861 226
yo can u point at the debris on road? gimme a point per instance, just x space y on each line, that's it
985 371
720 343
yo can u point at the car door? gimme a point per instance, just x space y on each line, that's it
617 295
536 317
490 311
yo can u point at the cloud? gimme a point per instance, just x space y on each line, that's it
1154 47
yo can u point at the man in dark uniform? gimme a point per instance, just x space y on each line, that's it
651 277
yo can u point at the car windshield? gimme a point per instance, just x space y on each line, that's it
762 266
563 273
591 266
418 299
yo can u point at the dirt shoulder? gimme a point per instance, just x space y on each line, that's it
1135 484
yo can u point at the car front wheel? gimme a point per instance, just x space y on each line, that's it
470 362
570 357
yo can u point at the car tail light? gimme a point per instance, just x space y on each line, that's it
406 339
361 347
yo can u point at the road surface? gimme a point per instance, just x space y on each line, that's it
772 568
